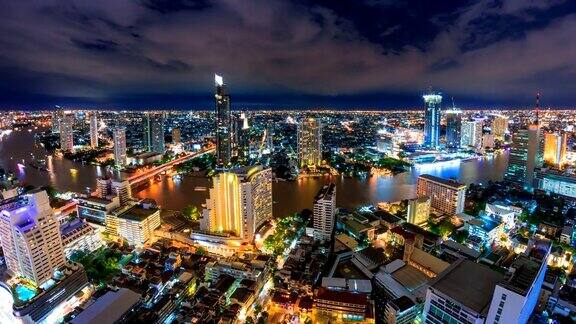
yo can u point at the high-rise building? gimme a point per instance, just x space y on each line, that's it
433 102
120 156
93 130
500 127
525 156
66 132
309 135
471 134
446 196
223 123
154 132
56 119
240 202
488 141
453 127
176 137
123 190
324 212
418 210
30 235
243 138
555 149
103 187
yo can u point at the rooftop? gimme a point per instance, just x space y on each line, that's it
108 308
341 296
460 283
326 192
521 275
402 303
445 182
138 213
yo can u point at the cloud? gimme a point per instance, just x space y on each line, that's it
113 49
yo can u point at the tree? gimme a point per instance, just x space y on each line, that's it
461 236
191 213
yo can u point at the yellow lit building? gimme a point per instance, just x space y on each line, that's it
309 142
418 210
555 149
500 127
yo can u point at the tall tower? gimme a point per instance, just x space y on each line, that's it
309 142
324 212
223 123
433 102
453 127
176 136
66 132
472 133
240 202
555 149
120 157
244 138
30 235
93 130
154 132
500 127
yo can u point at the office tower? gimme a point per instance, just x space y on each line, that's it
309 139
93 130
433 102
56 119
500 127
446 196
244 138
223 123
525 155
555 149
324 212
123 190
418 210
471 133
453 127
176 139
461 294
120 157
240 202
30 236
66 132
103 187
154 132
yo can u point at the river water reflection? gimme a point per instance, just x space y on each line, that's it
19 147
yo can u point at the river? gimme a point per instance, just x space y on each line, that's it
291 196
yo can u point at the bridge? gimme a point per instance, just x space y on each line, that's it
143 176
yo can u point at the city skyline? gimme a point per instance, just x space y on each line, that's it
152 54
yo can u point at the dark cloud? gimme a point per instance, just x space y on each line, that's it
282 53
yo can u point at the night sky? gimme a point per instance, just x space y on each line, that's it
333 53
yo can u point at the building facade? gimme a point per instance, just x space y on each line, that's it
555 149
154 132
500 127
223 124
309 142
324 212
525 156
418 210
66 132
93 130
453 128
446 196
471 134
120 157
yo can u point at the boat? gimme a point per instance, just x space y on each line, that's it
198 188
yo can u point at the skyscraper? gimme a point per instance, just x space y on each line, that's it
471 133
66 132
309 135
93 130
500 127
433 102
453 127
176 137
56 119
243 139
154 132
324 212
119 135
240 201
555 149
30 235
223 123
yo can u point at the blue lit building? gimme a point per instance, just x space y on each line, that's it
453 127
433 102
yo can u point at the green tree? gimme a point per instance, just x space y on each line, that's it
191 213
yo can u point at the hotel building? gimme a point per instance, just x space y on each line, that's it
446 196
309 142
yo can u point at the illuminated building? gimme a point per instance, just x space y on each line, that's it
103 187
555 149
555 181
123 190
223 123
93 130
488 141
388 144
525 155
78 235
342 305
240 202
176 137
471 133
418 210
244 138
120 157
154 132
94 209
446 196
433 102
56 119
453 127
66 132
135 224
309 142
500 127
30 237
401 310
324 212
